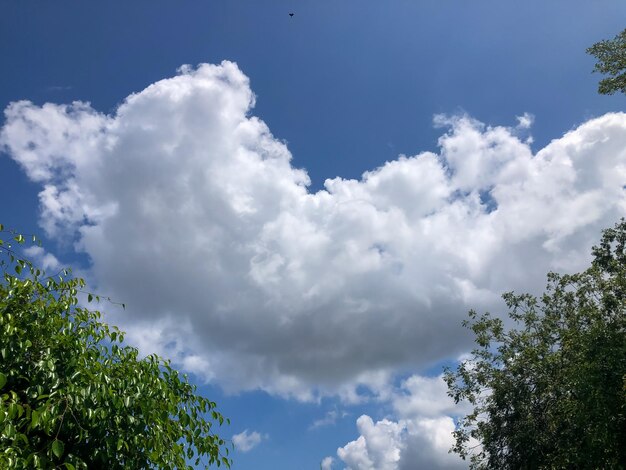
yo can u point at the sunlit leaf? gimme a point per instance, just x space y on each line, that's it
57 448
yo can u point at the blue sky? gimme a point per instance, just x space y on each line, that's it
226 205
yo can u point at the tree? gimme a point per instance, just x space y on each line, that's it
73 396
550 392
611 56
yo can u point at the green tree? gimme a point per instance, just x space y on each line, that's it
550 392
611 56
73 396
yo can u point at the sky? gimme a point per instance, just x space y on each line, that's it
300 210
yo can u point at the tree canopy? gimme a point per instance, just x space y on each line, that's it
73 396
611 56
550 392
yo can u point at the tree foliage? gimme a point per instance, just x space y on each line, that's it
550 392
73 396
611 56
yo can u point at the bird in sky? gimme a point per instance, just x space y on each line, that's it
291 14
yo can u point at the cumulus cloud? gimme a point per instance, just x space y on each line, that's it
424 397
327 463
246 441
40 257
192 214
377 448
419 439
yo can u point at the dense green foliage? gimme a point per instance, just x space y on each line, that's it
551 391
611 56
72 396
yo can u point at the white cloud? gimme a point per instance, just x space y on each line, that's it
329 419
246 441
41 258
428 441
327 463
378 447
192 215
525 121
419 439
406 444
423 397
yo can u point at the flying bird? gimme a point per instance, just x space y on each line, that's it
291 14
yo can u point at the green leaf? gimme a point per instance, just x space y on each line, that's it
3 380
12 410
558 365
57 448
34 418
